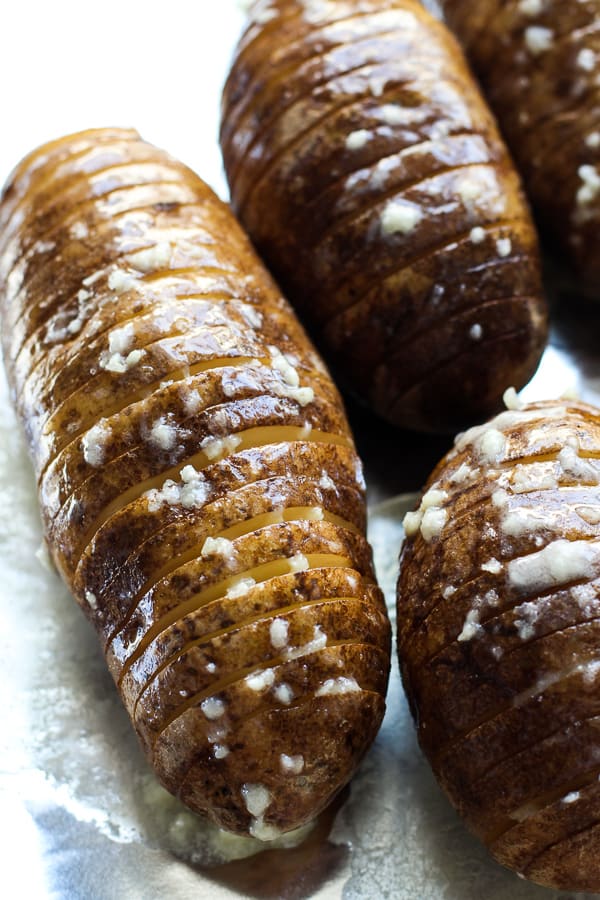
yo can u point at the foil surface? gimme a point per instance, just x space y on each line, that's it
81 815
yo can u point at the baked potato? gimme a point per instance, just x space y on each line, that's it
371 177
499 637
200 491
538 64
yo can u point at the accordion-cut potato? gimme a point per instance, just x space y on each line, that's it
499 637
200 491
371 177
539 63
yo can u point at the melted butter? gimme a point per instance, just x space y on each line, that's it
249 439
143 393
285 653
292 514
261 573
308 513
297 513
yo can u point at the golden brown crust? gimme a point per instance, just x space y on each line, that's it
200 490
371 176
538 61
498 635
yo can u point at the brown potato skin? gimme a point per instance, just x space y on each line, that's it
108 248
333 117
548 106
500 674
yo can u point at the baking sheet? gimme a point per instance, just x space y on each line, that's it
81 815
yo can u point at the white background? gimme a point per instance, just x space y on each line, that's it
158 67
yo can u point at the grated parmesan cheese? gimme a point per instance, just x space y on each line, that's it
121 281
163 434
152 258
192 492
260 681
338 686
433 497
217 447
558 563
462 474
298 563
118 363
284 693
471 627
400 217
503 247
192 402
218 546
469 190
79 231
291 764
538 39
326 483
586 60
240 587
577 469
588 192
220 751
511 399
278 632
433 522
412 522
257 798
393 114
94 443
213 708
531 7
356 140
490 446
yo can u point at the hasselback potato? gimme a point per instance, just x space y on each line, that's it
538 61
499 637
370 175
199 486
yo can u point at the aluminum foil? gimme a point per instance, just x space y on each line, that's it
81 815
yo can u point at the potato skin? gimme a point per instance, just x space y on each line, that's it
199 487
498 637
370 175
538 65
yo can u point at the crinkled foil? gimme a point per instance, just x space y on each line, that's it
81 815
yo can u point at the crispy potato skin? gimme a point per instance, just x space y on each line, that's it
498 637
370 175
539 63
200 490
